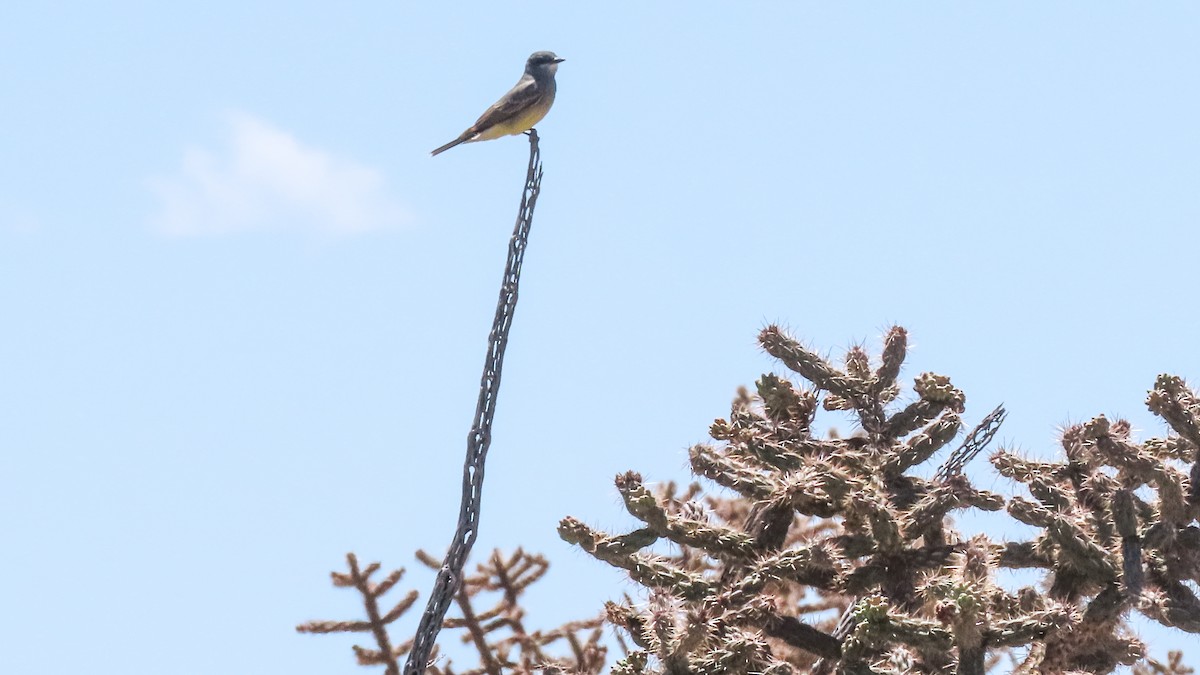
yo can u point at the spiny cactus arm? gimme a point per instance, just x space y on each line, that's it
769 523
1171 602
768 446
1078 550
737 654
1173 609
955 493
811 565
858 364
1020 469
872 509
1094 493
728 472
742 414
869 576
923 445
867 403
963 608
603 546
802 636
877 627
865 578
759 612
1052 496
1124 512
812 491
1174 507
790 456
1027 628
912 417
1075 548
1091 644
1141 466
936 394
784 404
854 545
663 634
1107 606
676 641
967 599
1082 458
1029 512
1025 554
809 365
630 619
648 570
1177 557
1174 402
938 389
984 500
717 541
1111 441
895 348
1172 447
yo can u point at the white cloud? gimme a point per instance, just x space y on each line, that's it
267 179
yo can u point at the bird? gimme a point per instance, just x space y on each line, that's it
522 107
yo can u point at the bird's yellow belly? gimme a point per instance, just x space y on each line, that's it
519 123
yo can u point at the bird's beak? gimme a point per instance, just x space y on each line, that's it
559 60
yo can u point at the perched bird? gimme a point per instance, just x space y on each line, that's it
522 107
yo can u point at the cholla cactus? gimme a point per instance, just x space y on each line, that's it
1118 531
755 583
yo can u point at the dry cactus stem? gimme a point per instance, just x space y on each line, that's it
754 582
497 633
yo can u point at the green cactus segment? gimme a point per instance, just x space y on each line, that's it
723 541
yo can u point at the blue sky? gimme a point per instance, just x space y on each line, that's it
245 312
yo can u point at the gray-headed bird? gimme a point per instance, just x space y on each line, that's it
522 107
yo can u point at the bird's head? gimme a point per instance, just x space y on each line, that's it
543 62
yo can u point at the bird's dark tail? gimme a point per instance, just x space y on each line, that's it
451 144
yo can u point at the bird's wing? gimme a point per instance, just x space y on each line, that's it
517 99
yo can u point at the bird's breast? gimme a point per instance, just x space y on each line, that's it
522 121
